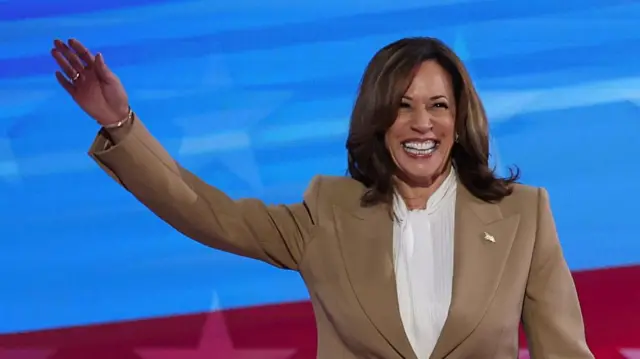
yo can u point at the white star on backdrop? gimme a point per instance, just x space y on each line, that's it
232 148
221 136
215 342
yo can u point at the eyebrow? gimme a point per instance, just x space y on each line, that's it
432 98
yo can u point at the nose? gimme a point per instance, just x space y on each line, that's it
422 121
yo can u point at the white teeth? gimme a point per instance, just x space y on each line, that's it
425 145
420 148
419 152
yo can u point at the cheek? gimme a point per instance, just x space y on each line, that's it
393 133
387 140
446 131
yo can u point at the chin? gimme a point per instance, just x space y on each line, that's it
421 168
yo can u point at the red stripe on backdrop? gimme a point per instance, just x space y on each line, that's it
610 300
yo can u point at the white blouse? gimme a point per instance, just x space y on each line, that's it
423 262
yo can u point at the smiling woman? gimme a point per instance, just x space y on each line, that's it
422 252
417 94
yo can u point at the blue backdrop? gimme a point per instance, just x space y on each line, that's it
254 96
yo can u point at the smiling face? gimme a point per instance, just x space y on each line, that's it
421 138
408 150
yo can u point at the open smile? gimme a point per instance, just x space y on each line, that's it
420 148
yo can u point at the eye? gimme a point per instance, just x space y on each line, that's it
405 104
442 105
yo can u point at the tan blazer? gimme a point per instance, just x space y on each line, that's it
343 252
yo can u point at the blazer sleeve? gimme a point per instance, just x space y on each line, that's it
248 227
552 317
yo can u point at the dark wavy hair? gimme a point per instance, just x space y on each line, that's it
386 79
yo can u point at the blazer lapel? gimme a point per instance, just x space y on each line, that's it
366 237
482 241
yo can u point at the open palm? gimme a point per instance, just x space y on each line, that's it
91 84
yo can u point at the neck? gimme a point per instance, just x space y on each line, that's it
416 196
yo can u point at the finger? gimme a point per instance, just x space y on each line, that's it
70 55
64 64
102 70
84 53
65 83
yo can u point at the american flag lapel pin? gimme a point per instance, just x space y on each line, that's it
489 237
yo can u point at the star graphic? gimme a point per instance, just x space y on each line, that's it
221 135
25 353
231 147
215 342
630 353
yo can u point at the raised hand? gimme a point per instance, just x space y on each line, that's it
95 88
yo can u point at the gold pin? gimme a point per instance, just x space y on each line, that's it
488 237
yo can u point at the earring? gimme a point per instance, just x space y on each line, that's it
457 137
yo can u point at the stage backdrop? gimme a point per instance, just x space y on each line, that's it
254 96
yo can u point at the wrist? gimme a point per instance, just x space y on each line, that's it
119 121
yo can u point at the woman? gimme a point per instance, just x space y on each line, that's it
421 253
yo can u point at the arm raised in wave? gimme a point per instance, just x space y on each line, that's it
130 155
247 227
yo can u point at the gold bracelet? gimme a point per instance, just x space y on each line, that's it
121 122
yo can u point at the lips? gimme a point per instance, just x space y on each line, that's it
420 147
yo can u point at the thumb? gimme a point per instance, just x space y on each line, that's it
104 74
